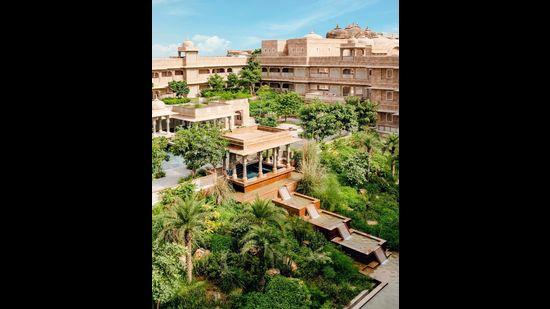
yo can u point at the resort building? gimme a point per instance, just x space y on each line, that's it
229 114
347 62
194 69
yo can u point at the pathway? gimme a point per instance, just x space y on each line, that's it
388 297
175 169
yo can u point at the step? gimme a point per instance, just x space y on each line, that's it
373 264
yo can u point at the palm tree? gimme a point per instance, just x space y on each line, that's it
265 212
185 220
391 144
222 190
262 240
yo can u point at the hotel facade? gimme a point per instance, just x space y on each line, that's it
348 62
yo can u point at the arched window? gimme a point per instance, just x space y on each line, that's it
229 70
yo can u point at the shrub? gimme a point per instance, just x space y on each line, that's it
174 101
221 242
268 121
281 293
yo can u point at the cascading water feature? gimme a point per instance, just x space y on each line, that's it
312 211
380 255
344 232
283 191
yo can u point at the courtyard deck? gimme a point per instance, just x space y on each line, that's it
269 191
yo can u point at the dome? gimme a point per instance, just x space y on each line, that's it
187 44
353 30
158 104
313 35
383 41
337 33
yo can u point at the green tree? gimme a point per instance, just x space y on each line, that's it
317 121
257 51
265 212
167 271
263 241
180 88
233 82
199 145
366 110
216 82
346 117
184 221
281 293
289 103
251 74
391 145
159 155
368 140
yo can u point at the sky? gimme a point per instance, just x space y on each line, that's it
215 26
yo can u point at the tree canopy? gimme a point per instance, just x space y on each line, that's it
216 82
199 145
180 88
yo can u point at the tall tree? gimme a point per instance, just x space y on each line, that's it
317 121
251 74
366 111
199 145
263 241
233 82
185 221
391 145
180 88
289 103
216 82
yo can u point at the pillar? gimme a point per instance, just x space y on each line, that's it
160 124
275 160
245 162
230 122
154 125
288 156
168 124
260 168
233 165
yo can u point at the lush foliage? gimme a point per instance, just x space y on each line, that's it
180 88
159 155
365 109
321 120
360 184
251 74
283 293
289 103
216 82
232 83
174 101
199 145
224 95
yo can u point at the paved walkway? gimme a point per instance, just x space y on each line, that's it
175 169
388 297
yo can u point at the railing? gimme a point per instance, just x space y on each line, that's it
388 107
387 129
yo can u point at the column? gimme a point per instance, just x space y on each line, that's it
260 168
230 122
234 165
160 124
224 164
268 156
245 162
168 124
275 160
288 156
154 125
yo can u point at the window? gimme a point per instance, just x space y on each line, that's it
204 71
288 70
230 70
322 70
389 73
370 72
179 72
274 70
347 72
389 95
389 117
166 74
322 87
155 75
222 70
264 69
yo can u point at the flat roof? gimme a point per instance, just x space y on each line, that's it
251 140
